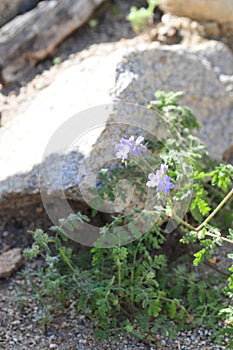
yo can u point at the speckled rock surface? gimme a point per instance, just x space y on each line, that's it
218 54
130 71
197 72
27 130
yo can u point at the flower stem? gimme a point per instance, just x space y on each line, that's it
214 212
119 271
66 259
216 236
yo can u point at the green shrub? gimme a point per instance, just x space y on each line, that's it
143 17
135 287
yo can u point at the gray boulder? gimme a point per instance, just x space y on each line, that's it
43 146
28 166
196 71
217 54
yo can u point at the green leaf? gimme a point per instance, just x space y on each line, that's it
154 307
172 310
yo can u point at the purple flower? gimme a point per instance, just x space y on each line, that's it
123 148
164 168
139 148
160 179
127 146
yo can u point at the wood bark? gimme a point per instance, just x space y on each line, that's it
33 36
11 8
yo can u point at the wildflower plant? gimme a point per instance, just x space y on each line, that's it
130 146
143 17
160 180
133 285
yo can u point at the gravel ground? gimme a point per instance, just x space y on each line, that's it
71 331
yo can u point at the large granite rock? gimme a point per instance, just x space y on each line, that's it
217 54
197 72
133 75
28 127
220 11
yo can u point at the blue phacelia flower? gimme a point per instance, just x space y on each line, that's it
160 180
127 146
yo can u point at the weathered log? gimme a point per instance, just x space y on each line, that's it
11 8
33 36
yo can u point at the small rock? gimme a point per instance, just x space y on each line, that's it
167 34
10 261
63 325
5 247
5 233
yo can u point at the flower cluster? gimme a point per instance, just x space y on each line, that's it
127 146
136 147
160 180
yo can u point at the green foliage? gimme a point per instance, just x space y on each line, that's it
198 295
222 176
135 288
209 245
178 115
57 60
93 23
200 205
143 17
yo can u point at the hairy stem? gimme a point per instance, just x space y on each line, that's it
66 260
215 211
119 271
